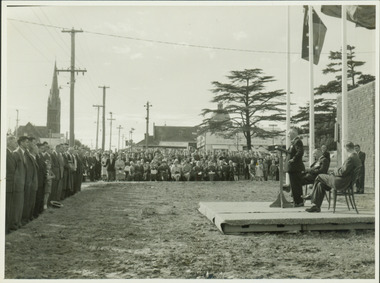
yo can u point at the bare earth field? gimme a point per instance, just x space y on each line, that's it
154 230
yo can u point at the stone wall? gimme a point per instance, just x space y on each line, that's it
361 126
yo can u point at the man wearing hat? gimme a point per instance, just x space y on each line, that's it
19 182
32 173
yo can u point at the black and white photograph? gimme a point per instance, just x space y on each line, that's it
189 140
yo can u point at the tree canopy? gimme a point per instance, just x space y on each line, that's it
325 109
247 105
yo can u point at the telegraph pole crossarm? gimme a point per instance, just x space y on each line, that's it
72 71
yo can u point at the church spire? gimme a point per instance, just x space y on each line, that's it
54 105
54 84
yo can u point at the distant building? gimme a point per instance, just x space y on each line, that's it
54 106
31 130
171 137
217 141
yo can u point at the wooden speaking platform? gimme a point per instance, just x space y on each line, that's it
249 217
281 216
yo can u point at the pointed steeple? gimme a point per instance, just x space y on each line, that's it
54 105
54 84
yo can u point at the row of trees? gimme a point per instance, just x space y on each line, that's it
248 104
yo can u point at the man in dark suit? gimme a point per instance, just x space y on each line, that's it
110 164
10 178
19 182
294 166
79 171
66 171
31 181
360 181
61 164
338 180
320 166
72 170
91 164
55 168
325 152
41 175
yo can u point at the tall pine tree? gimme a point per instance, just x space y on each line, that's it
325 109
247 104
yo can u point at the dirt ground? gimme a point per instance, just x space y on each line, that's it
154 230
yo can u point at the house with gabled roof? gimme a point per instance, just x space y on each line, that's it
171 137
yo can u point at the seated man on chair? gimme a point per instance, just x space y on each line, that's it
338 180
320 166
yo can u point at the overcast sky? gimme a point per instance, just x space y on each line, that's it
175 79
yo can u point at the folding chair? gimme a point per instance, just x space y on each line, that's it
348 192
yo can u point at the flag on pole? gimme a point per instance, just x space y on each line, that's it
319 32
362 15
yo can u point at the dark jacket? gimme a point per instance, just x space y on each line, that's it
31 180
11 169
321 166
294 161
20 172
361 156
55 165
110 164
342 177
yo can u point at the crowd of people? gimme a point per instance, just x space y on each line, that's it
37 177
181 165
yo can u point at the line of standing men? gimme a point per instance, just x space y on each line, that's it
36 176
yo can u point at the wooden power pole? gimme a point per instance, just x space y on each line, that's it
104 116
147 105
72 71
97 125
111 119
118 140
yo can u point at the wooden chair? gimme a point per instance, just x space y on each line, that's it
348 193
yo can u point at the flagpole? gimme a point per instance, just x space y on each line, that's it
288 85
311 86
344 84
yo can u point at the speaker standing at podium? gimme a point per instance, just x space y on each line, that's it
294 166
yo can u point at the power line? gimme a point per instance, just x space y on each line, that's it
65 45
174 43
37 49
